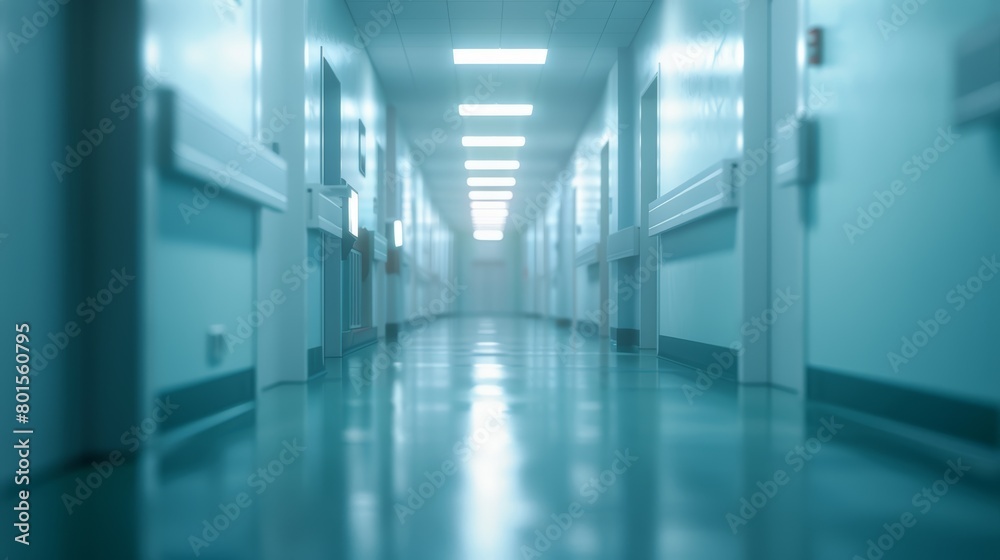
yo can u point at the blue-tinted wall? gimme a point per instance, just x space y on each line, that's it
870 280
697 47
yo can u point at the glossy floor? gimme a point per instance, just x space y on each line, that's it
483 438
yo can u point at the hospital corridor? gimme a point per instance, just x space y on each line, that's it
500 279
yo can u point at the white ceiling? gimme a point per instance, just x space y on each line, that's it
413 57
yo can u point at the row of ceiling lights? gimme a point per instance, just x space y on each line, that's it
490 208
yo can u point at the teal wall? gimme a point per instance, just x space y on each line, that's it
202 273
39 246
891 95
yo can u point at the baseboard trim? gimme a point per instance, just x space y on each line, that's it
358 338
952 416
700 356
204 399
625 338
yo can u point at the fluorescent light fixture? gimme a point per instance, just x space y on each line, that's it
491 181
478 204
397 233
491 195
493 141
492 164
489 212
495 110
500 56
488 235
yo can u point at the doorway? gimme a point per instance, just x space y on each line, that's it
325 281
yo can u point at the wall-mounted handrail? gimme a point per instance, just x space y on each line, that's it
706 193
198 145
623 244
588 255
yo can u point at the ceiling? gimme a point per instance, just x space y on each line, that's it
413 57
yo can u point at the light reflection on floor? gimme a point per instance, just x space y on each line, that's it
484 440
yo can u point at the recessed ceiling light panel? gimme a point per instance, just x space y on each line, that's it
491 195
477 204
491 181
489 212
496 110
493 141
492 164
500 56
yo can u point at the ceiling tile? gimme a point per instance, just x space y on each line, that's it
385 40
630 10
429 9
423 26
524 40
492 9
535 25
591 9
427 40
574 40
528 9
579 25
474 26
616 40
476 40
623 26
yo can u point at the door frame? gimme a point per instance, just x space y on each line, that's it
649 291
787 90
604 268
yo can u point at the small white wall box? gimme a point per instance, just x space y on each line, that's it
977 81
